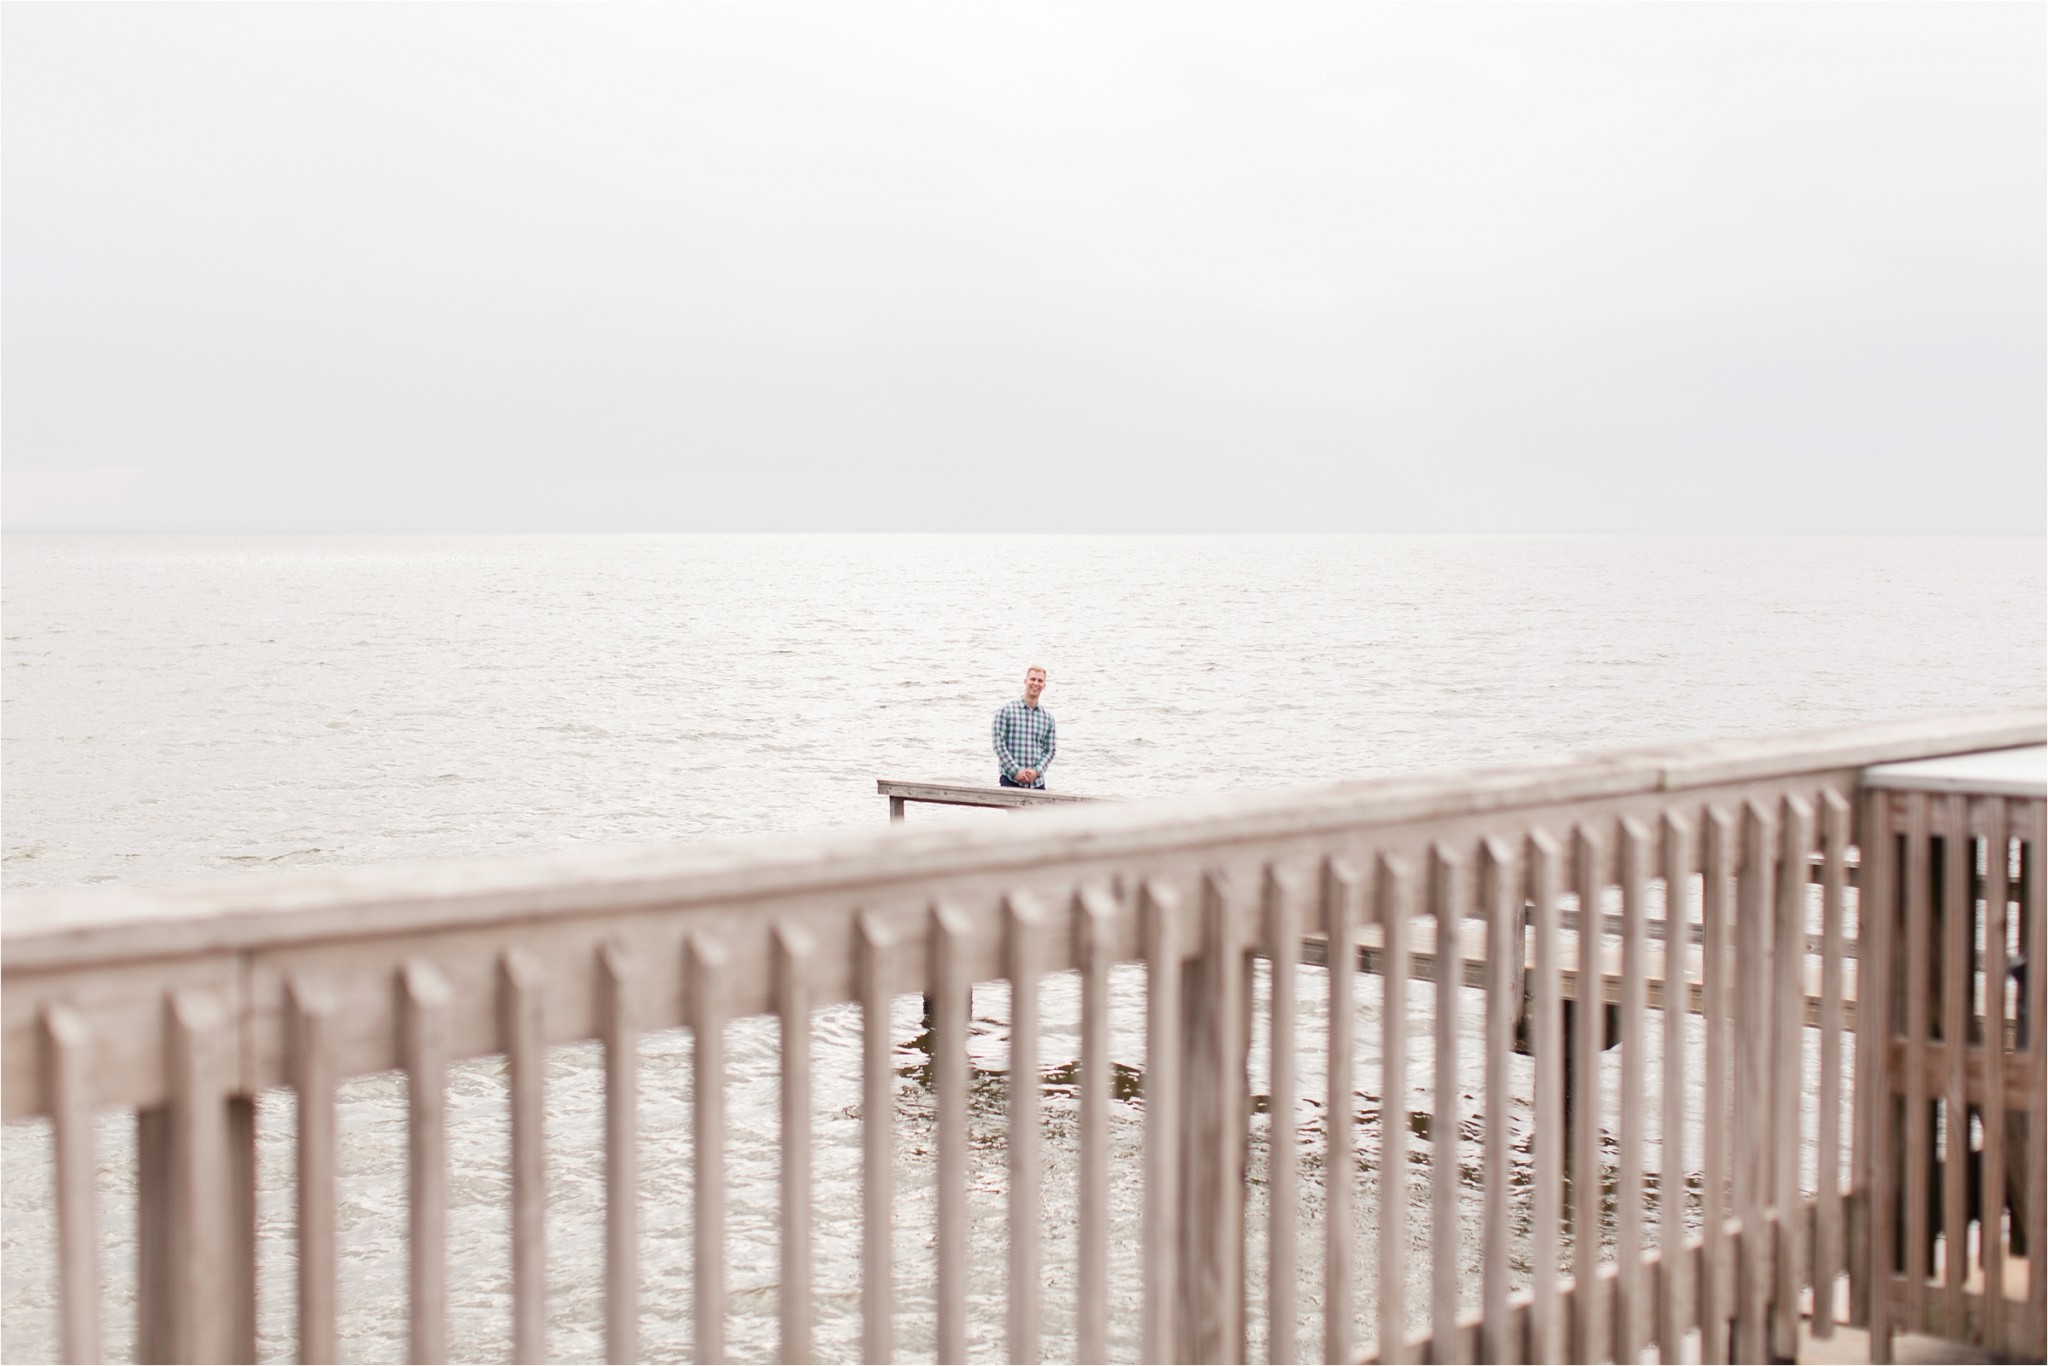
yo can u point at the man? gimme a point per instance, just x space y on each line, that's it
1024 735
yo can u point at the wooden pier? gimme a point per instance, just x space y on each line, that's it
186 1011
901 794
1474 967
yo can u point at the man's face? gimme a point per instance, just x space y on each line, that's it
1034 684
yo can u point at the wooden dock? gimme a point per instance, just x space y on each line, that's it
179 1012
1473 956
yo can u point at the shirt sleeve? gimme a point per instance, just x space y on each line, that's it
1052 744
1004 759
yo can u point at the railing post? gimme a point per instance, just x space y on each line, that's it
425 1001
872 965
1873 1026
1755 1037
1021 934
1160 925
68 1057
617 982
522 1036
200 1169
1788 1253
1877 922
1282 929
1214 1118
313 1013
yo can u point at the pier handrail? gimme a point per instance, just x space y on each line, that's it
186 1004
49 929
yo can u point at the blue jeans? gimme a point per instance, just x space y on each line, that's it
1007 781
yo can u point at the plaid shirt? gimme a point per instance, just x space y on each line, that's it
1024 739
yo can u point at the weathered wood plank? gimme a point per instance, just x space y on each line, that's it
1546 1317
1097 927
1630 1316
969 794
1987 820
1828 1230
520 1003
1958 917
1717 920
1392 910
952 996
1504 951
1340 926
1591 1319
68 1045
1878 925
706 965
1934 1063
794 951
1673 1310
1474 970
1160 912
1022 929
318 1186
878 1144
1913 952
1446 897
617 976
1211 1309
1795 830
200 1036
1755 1039
424 1001
1282 932
2030 821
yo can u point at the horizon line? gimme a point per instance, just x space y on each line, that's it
1815 533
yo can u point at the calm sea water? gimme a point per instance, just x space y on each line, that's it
187 707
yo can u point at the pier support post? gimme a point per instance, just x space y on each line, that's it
1610 1024
931 1016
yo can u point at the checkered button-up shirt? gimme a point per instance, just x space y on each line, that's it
1024 739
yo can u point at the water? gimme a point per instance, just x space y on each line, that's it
185 707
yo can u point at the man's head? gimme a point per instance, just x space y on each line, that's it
1034 684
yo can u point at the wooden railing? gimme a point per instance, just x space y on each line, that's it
1956 1085
193 1009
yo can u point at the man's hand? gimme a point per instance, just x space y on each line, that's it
1027 775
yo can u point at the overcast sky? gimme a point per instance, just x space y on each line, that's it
1017 268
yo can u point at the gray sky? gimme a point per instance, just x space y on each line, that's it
1078 267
